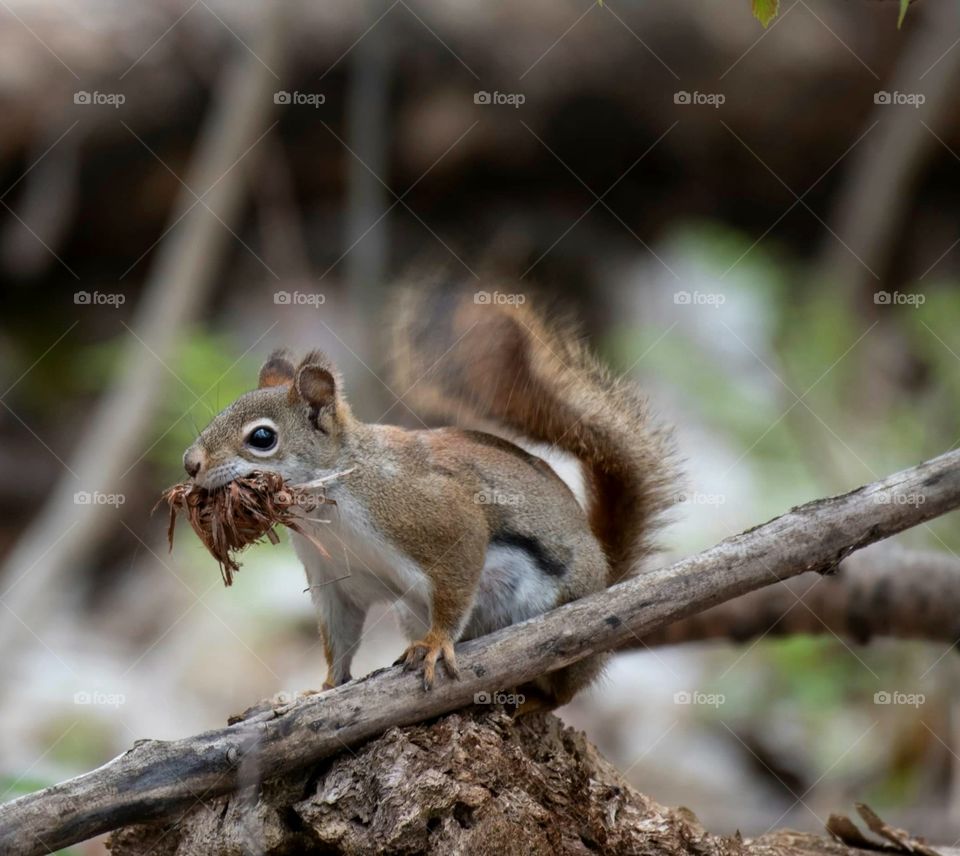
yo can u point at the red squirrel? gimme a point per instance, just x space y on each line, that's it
463 530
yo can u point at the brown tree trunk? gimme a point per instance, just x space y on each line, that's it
472 782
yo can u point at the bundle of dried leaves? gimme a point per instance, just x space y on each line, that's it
242 512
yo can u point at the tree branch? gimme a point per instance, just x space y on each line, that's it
156 778
881 591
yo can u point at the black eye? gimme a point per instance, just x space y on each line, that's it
262 438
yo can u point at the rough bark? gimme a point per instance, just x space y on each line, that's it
158 778
475 782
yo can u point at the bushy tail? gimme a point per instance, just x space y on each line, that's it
474 355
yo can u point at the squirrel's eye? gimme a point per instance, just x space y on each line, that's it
262 438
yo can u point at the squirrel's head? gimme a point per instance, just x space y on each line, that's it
292 424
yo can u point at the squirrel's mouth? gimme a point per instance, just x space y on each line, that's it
221 474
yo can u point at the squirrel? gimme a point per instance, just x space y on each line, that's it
464 530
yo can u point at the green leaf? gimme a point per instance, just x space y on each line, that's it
903 11
766 10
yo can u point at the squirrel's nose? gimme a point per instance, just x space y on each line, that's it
192 461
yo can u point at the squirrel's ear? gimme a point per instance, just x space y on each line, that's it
316 386
276 371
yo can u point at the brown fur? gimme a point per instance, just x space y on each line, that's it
419 492
505 364
502 363
276 371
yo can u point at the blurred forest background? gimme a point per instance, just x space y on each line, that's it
757 225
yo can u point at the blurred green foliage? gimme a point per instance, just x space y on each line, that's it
765 11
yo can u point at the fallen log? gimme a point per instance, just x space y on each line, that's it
471 783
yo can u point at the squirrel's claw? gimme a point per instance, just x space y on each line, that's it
428 651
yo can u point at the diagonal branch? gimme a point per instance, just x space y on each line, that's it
157 778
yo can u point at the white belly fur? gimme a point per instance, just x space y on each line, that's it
377 570
512 586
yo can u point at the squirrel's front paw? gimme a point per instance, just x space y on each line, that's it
434 647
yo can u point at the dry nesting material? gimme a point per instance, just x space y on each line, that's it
229 518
